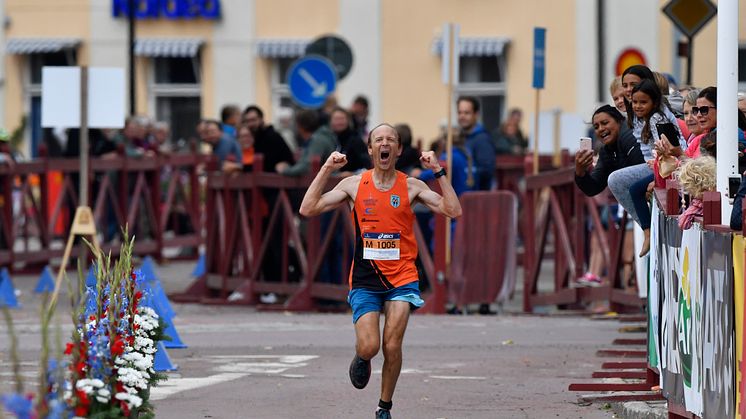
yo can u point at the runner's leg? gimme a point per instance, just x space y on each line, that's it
397 317
368 335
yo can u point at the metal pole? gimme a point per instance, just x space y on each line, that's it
131 51
83 136
536 132
600 49
727 84
689 49
449 132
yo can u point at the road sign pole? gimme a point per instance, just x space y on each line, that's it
539 65
536 131
449 130
689 59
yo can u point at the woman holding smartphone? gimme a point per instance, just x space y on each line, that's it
620 149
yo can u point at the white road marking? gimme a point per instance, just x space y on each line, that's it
406 371
457 377
233 367
176 385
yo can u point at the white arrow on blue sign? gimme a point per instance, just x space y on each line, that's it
311 79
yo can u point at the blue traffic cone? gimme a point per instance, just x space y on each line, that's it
46 281
199 270
171 332
7 291
158 295
162 361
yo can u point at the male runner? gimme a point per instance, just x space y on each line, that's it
383 277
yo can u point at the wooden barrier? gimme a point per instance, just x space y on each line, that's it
256 244
510 175
125 191
552 198
483 266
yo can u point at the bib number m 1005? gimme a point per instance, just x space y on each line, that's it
381 246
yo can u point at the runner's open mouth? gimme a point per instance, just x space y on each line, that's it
384 155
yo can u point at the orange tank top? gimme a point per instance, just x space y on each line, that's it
385 246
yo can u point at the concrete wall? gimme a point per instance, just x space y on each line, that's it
412 90
233 57
364 36
391 40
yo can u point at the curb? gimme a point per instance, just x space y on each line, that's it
641 410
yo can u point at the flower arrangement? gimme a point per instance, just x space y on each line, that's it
107 368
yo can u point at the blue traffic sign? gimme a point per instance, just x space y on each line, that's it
311 79
539 57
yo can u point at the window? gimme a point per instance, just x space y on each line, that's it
33 93
175 70
483 78
175 94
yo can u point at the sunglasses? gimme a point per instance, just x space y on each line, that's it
702 110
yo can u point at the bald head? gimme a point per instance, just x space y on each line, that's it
381 129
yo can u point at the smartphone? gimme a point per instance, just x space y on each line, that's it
586 143
671 133
734 182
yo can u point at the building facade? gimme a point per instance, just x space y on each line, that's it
194 56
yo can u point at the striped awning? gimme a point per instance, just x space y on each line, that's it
475 46
281 48
167 47
39 45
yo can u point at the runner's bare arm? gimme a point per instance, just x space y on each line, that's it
447 204
314 202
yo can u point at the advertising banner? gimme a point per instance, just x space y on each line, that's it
718 351
689 318
671 371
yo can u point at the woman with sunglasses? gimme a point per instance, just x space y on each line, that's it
706 114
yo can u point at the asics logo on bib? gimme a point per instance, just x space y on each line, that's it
385 236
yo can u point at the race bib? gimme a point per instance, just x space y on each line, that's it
381 246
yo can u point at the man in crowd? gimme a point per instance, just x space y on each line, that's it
319 141
478 141
224 147
360 111
230 117
266 140
348 141
383 276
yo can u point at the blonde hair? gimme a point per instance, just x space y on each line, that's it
698 176
662 82
615 85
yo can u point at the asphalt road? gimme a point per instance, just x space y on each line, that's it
241 363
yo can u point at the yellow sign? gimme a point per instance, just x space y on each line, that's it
83 223
738 292
690 15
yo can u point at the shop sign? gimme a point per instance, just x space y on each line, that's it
170 9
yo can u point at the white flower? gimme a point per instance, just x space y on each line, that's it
131 399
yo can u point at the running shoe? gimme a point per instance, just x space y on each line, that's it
359 372
590 280
383 414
